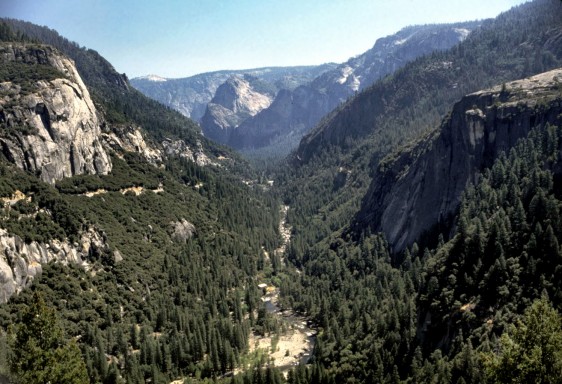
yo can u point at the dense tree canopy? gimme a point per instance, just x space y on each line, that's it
40 352
530 351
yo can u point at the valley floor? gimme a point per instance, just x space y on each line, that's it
293 345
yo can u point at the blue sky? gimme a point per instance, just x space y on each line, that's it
179 38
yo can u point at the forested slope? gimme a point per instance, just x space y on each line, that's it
435 314
157 259
171 252
417 316
518 43
332 168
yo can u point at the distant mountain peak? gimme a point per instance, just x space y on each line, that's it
190 95
238 98
153 77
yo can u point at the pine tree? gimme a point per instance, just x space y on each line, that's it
531 350
39 353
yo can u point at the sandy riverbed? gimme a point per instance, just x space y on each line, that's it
290 349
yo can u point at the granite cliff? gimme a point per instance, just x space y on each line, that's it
419 189
124 114
50 125
236 100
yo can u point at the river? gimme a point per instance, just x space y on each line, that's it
295 345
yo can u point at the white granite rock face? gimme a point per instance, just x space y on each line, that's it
21 262
62 131
130 139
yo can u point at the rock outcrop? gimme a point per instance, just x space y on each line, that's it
129 138
21 262
50 126
182 230
181 149
420 189
235 101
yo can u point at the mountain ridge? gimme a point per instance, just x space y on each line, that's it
300 110
190 95
435 81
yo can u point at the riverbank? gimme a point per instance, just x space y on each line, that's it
290 347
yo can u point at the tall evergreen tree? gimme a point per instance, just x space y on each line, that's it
531 350
39 352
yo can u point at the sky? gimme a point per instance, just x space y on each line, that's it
180 38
